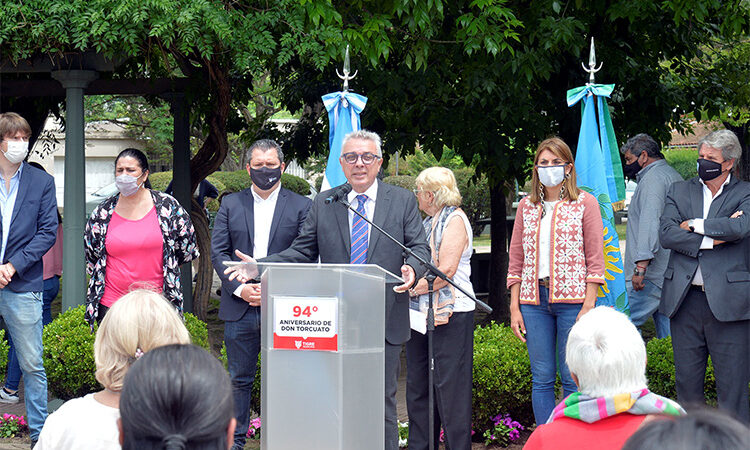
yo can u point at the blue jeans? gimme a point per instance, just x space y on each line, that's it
645 303
242 338
22 312
13 377
547 328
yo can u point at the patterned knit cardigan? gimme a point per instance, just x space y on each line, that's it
576 250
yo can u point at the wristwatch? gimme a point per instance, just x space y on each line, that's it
638 273
691 224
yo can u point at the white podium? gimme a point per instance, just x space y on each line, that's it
322 360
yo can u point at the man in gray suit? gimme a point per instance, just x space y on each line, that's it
330 229
706 292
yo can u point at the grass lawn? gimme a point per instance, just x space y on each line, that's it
620 228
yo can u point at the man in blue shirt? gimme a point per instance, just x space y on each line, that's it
27 230
645 259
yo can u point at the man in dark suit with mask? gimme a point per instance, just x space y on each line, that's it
706 292
259 221
336 235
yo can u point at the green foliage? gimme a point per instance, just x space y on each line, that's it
69 355
160 181
4 347
239 180
660 371
683 161
234 181
295 184
198 331
502 376
475 193
404 181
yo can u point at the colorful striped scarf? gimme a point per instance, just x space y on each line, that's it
591 409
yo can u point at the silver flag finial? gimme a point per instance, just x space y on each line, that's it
592 69
347 70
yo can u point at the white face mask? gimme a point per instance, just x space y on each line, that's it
551 176
127 184
17 151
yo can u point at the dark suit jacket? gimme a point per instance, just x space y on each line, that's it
234 229
33 229
725 268
326 234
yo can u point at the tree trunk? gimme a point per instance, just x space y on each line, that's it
204 276
743 136
498 298
205 162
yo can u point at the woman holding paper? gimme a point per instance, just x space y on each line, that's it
450 237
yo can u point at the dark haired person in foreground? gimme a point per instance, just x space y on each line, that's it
701 429
177 397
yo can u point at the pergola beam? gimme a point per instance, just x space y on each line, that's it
52 88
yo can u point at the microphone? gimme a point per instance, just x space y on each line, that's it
339 193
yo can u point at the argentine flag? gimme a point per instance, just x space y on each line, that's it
343 109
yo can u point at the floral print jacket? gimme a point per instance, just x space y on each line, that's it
576 250
179 247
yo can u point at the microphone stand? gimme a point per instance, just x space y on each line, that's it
431 273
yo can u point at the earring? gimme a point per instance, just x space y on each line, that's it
541 198
562 190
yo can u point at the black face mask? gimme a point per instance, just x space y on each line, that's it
708 170
265 177
631 170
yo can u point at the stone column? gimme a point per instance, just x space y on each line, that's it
181 179
74 263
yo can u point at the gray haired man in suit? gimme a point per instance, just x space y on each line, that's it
706 293
330 229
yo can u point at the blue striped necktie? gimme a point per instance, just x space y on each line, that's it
359 233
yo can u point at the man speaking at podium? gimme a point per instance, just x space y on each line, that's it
339 236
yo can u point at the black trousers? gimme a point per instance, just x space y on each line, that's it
696 334
453 345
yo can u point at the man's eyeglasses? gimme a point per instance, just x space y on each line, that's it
367 158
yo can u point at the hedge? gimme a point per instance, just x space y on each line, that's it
502 377
661 375
69 352
4 348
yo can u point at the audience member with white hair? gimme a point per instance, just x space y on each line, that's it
607 359
137 323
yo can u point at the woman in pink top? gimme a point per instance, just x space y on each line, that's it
136 239
556 266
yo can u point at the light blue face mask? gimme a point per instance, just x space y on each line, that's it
551 176
127 184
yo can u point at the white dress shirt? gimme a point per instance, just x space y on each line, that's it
708 242
263 210
371 193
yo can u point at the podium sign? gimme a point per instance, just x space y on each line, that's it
322 357
305 323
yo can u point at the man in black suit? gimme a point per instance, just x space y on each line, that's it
706 293
330 229
261 220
